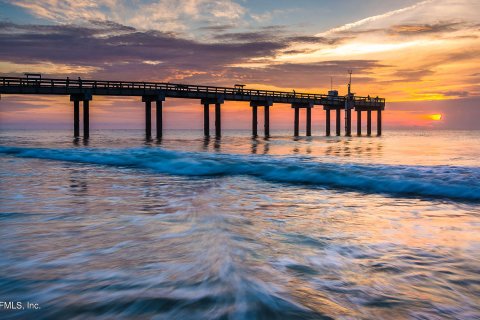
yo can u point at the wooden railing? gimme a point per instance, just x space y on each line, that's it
166 86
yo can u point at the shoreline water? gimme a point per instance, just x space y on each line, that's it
128 228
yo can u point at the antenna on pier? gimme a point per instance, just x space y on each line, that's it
350 80
331 83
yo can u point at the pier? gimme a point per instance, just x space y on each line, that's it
82 92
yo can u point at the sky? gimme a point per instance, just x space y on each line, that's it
422 56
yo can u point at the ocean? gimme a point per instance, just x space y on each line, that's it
240 228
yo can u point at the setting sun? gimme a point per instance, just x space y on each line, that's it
436 117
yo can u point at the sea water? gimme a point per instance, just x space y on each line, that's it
240 228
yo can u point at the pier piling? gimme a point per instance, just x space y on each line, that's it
206 119
359 123
218 120
266 104
379 122
266 120
86 119
327 122
296 122
254 121
159 118
348 121
309 121
369 122
148 118
337 126
76 118
85 98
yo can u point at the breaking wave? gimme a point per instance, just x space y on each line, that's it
452 182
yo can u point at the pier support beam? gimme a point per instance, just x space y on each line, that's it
86 119
254 121
218 120
159 118
337 125
148 118
369 122
76 118
266 104
85 98
359 122
327 122
297 106
206 115
379 122
148 99
266 120
296 122
348 122
309 122
206 119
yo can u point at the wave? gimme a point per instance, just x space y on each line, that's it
452 182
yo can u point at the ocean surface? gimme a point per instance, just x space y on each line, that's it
240 228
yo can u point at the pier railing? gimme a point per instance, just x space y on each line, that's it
139 87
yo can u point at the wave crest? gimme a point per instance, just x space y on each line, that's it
453 182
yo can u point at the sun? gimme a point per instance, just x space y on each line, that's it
436 117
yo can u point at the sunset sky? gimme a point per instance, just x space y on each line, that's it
422 56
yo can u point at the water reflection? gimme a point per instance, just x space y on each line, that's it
266 146
89 241
217 143
78 182
358 148
205 143
255 143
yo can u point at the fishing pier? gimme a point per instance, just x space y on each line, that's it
82 92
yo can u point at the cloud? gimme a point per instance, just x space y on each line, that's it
308 75
109 43
412 74
401 53
462 94
371 19
163 15
425 28
112 51
272 34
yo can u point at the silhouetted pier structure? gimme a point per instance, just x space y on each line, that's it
83 91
